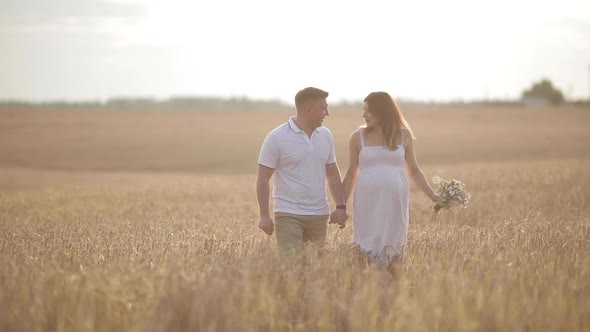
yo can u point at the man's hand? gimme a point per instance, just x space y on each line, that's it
339 216
267 225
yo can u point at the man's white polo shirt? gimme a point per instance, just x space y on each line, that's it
299 185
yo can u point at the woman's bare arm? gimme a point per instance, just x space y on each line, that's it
414 170
354 147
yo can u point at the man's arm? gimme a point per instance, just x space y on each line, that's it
335 183
263 195
338 216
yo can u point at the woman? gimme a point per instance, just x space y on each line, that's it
381 153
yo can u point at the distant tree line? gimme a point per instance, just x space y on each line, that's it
541 93
175 103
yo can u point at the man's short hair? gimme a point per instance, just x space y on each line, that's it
309 93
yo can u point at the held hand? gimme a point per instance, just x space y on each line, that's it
331 220
344 219
267 225
339 216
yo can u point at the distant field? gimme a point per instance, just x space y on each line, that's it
146 221
228 142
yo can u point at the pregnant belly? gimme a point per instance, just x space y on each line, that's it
375 180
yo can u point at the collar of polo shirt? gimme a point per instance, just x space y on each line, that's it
296 129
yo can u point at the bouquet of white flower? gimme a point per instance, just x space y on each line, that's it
451 195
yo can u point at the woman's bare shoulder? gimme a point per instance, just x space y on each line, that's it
407 132
356 134
407 137
355 137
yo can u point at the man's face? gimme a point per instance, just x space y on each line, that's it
318 111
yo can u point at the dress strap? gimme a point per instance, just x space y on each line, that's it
362 138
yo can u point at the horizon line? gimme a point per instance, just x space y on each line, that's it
249 99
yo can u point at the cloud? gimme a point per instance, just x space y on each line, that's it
23 13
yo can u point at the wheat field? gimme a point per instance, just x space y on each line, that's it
146 221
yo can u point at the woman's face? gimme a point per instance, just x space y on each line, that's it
370 119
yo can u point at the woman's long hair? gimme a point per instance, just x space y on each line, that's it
391 120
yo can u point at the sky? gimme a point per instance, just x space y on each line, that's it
424 50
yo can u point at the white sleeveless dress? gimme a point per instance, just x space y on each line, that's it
381 202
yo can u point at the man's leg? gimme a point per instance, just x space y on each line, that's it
289 229
316 228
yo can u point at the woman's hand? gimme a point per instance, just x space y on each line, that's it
434 197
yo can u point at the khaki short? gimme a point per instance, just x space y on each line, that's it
294 230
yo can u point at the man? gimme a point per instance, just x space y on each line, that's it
300 154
